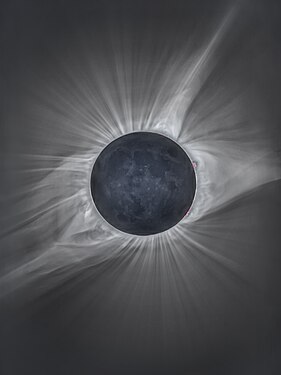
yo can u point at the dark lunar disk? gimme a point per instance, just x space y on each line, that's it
143 183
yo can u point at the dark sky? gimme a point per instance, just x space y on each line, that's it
75 327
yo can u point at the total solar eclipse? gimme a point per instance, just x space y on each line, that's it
143 183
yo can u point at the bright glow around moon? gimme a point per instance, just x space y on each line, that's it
89 99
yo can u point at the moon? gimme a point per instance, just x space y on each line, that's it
143 183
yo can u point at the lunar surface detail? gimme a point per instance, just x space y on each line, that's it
143 183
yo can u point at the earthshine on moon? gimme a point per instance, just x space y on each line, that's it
143 183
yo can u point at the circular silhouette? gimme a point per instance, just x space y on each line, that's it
143 183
